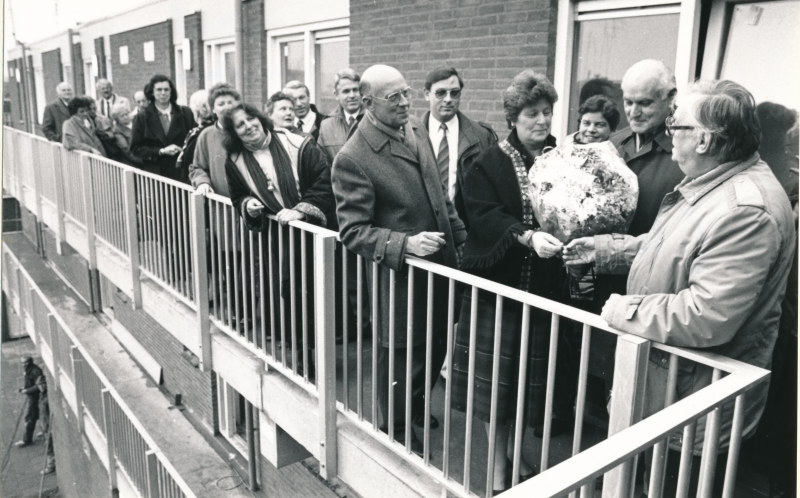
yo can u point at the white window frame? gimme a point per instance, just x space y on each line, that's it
214 51
335 30
180 79
38 85
226 403
89 79
572 11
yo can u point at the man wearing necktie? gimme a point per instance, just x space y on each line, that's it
456 139
340 126
309 118
106 98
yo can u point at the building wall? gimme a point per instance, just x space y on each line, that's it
128 78
77 68
489 43
179 376
52 72
255 53
193 30
100 52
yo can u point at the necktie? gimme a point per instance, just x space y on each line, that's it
300 124
105 108
443 155
350 121
165 122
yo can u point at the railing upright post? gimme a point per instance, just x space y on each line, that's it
325 304
152 474
88 203
61 235
52 326
109 426
627 405
198 231
37 193
129 196
77 371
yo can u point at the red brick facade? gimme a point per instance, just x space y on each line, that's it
77 69
487 43
100 53
255 53
193 30
133 76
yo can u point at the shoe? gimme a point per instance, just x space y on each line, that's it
419 421
557 427
22 444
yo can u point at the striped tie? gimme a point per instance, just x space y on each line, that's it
443 155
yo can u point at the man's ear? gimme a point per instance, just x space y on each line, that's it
367 102
427 94
703 143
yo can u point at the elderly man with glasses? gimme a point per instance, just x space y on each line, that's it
391 202
456 139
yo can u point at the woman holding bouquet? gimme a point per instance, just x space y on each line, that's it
505 245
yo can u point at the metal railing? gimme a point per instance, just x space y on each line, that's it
284 292
128 445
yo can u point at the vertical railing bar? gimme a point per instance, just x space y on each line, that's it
230 254
141 203
734 449
708 461
390 409
158 259
687 456
167 230
498 333
428 374
345 335
304 304
292 299
241 299
473 327
659 462
212 249
448 389
375 345
262 292
521 385
270 259
282 311
551 379
180 220
187 253
409 356
171 229
166 267
250 325
359 337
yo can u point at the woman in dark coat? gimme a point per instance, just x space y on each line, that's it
159 132
280 173
505 245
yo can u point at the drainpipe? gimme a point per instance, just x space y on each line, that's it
251 445
238 41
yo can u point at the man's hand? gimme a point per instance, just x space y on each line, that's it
170 150
425 243
204 189
254 208
287 215
545 245
579 252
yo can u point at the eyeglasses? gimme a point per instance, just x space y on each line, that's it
394 98
671 126
442 93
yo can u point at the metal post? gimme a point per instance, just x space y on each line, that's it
252 456
627 404
325 304
37 193
152 474
52 325
129 197
88 204
198 230
61 235
109 426
77 365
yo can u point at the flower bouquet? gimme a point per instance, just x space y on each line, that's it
580 190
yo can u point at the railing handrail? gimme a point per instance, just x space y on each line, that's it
100 375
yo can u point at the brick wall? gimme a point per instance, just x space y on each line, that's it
129 78
196 388
489 43
77 69
100 53
193 30
52 73
255 53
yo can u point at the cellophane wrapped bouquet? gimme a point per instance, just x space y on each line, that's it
580 190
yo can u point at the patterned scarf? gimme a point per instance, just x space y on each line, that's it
527 206
283 169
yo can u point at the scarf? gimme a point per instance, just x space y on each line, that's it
283 170
527 206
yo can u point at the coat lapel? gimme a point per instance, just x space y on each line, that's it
175 123
154 122
466 135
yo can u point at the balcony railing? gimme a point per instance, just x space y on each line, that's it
283 292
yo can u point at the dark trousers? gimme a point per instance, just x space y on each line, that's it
31 416
438 352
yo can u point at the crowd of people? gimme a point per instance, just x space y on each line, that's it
704 263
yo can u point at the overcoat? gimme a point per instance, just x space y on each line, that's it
76 136
54 116
385 193
148 137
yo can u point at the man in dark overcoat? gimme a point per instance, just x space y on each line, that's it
56 113
31 372
391 202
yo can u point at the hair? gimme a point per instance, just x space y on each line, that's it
527 88
442 73
597 86
79 102
657 70
63 84
727 111
222 90
102 81
232 143
197 99
118 109
345 74
603 105
776 120
277 97
294 85
160 78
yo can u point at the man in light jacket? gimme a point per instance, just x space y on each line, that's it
337 128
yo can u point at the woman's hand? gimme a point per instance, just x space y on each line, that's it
579 252
170 150
204 189
545 245
254 208
287 215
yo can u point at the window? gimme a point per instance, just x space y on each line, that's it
180 77
221 57
90 78
311 54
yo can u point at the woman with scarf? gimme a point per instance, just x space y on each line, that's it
280 173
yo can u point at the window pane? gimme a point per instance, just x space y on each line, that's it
331 57
180 78
230 67
292 62
606 48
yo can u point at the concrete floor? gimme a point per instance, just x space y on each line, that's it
20 475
